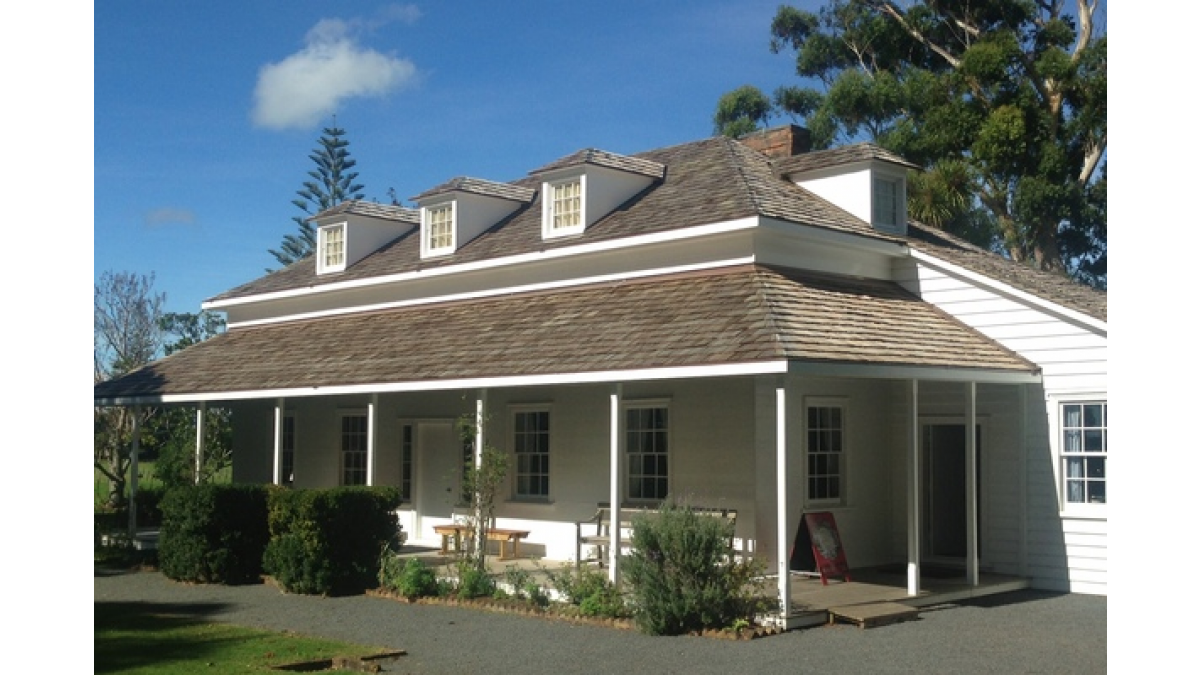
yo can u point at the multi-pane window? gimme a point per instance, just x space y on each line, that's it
1084 451
354 449
566 205
440 227
646 453
287 450
333 247
885 206
406 462
531 445
826 436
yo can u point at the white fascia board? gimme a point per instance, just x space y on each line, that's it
495 292
1002 288
550 254
601 377
912 372
825 235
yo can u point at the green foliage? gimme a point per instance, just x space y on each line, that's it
524 586
474 582
480 484
410 577
590 590
1008 96
329 184
741 111
683 576
328 541
213 533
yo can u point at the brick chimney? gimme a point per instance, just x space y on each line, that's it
779 142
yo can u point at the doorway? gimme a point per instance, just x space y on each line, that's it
439 458
944 490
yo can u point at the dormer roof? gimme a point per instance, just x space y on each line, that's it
355 207
829 159
610 160
479 186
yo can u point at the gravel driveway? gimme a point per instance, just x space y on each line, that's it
1021 632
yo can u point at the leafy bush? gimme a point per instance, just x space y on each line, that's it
683 577
474 582
409 577
524 586
590 590
213 533
328 541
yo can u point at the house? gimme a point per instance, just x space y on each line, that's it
747 324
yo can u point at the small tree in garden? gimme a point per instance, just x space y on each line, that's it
480 484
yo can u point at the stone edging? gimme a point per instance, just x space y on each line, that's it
520 607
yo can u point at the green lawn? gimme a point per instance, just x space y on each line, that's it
145 638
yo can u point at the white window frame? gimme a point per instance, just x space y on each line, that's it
883 217
517 441
344 450
331 248
550 211
428 213
667 455
287 450
1063 454
842 453
407 461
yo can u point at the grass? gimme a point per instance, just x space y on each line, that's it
137 638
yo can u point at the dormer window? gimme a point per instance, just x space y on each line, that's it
564 208
331 247
885 205
438 236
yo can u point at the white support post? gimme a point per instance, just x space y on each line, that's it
972 489
277 445
199 440
372 424
480 414
782 557
134 450
914 492
614 480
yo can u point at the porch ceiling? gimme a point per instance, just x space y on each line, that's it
742 315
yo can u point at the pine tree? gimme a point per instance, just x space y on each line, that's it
332 183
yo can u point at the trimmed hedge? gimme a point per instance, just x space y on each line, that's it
329 541
213 533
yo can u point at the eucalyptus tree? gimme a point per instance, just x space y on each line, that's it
1002 102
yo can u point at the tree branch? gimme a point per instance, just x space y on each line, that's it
891 10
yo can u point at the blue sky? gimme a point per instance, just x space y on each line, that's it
205 113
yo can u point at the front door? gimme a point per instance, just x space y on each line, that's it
439 453
944 502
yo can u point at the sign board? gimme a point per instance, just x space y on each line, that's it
818 547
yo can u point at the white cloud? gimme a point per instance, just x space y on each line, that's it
170 216
297 92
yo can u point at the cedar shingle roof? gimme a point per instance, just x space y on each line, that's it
706 181
1054 287
611 160
382 211
479 186
736 315
848 154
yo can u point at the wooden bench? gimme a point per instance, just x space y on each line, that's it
597 531
502 535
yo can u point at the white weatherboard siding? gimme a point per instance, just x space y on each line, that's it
1065 551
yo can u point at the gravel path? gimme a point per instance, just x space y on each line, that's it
1023 632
